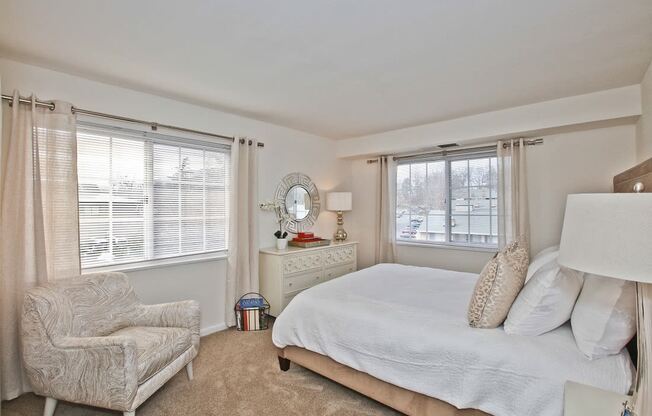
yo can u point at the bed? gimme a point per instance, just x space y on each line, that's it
433 362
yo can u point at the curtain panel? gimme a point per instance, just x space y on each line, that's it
38 218
513 214
242 273
385 249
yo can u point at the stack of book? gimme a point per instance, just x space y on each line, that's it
306 240
250 320
250 314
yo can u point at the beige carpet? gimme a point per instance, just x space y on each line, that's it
236 373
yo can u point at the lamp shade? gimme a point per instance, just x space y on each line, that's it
608 235
339 201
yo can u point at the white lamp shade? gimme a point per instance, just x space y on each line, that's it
608 235
339 201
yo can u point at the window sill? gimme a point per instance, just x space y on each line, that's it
155 264
445 246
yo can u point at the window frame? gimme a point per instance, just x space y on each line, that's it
190 141
447 159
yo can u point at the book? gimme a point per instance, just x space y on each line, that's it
251 303
308 244
307 239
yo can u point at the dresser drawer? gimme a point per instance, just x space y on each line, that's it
301 281
338 271
298 264
339 255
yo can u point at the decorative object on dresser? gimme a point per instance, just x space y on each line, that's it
339 202
284 274
281 236
609 235
89 340
297 199
308 239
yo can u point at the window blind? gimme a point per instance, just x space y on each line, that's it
145 197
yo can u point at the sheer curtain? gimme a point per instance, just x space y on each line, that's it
38 218
513 217
242 274
386 210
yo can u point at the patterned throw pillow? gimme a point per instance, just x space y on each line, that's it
498 285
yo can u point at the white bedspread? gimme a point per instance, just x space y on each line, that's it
407 325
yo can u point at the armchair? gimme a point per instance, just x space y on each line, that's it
89 340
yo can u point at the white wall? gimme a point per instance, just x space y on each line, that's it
644 125
581 161
285 151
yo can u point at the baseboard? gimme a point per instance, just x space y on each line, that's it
212 329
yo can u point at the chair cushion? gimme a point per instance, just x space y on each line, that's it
156 347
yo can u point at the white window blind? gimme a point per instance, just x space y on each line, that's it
144 197
448 200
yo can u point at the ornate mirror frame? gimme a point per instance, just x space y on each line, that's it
287 183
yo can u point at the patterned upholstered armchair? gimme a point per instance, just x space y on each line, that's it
89 340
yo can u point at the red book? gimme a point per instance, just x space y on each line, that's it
304 235
307 240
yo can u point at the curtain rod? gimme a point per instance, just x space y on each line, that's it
476 149
153 125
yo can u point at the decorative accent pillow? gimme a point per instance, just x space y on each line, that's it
604 318
548 298
498 285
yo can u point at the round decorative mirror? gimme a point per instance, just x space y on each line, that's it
298 198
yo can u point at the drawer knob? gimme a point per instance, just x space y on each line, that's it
290 284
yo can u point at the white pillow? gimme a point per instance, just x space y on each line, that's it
542 257
604 318
547 299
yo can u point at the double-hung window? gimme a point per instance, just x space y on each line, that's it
449 200
145 196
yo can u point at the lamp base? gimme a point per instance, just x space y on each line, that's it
340 234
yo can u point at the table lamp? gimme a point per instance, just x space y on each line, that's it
339 202
611 235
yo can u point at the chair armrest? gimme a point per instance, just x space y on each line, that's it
183 314
100 371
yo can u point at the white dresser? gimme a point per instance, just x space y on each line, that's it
285 273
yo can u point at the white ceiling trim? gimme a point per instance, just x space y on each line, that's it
581 110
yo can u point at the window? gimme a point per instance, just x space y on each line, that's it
448 200
146 197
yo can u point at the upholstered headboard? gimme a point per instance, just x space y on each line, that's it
623 183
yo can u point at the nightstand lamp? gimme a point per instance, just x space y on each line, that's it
611 235
339 202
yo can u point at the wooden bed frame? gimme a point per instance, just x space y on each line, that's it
403 400
410 402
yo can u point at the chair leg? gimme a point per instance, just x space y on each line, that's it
50 405
132 413
189 371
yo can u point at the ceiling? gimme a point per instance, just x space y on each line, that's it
340 68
